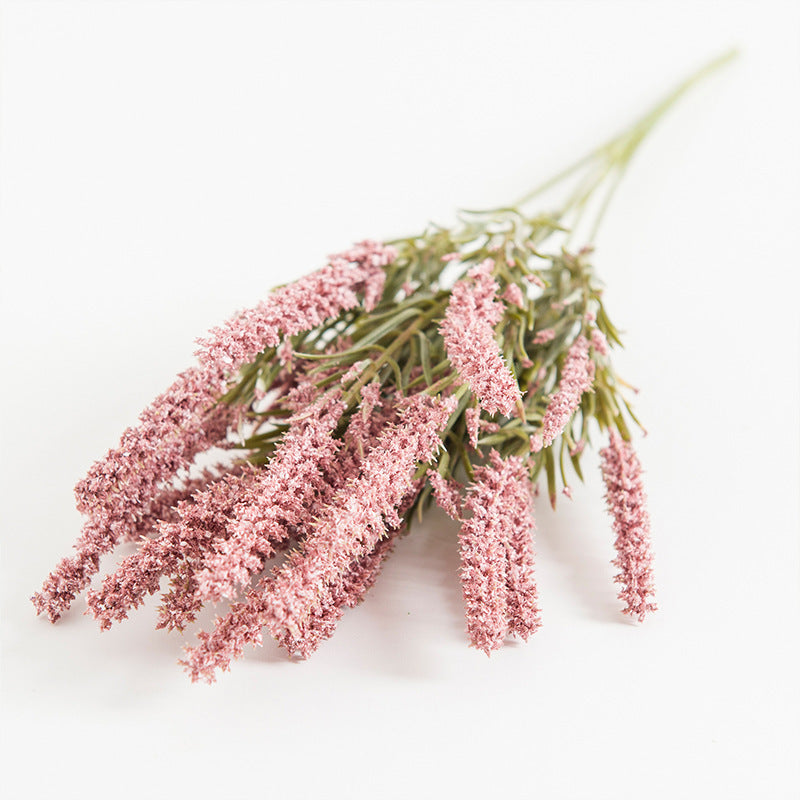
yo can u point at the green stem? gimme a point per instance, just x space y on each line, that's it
619 150
371 372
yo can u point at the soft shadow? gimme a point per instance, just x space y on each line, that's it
415 607
583 553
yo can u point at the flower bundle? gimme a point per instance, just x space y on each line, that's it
456 366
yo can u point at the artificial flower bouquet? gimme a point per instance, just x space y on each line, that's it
460 366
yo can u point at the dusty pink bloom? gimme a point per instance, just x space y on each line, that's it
468 332
627 503
73 573
362 434
578 449
590 317
350 528
200 520
447 493
355 371
278 502
513 294
121 492
536 281
374 414
359 515
451 257
496 558
339 595
526 363
171 431
472 417
567 492
301 306
577 375
543 336
599 342
523 600
241 625
163 508
476 424
285 352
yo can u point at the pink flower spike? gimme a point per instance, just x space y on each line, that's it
347 529
496 555
198 521
285 352
536 281
278 502
468 332
577 375
356 519
447 493
347 593
300 306
599 342
472 416
513 295
524 616
543 336
122 490
626 499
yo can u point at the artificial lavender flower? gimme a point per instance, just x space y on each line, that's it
278 502
125 521
513 295
468 332
576 378
447 493
472 417
544 336
497 580
243 624
627 504
338 595
360 515
342 389
301 306
599 342
522 595
201 520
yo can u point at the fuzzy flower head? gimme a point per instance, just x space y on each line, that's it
577 375
500 595
301 306
348 529
627 504
468 332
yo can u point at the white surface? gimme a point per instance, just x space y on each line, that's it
164 164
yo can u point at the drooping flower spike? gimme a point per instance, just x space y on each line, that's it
460 365
627 504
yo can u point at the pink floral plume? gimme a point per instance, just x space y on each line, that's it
625 495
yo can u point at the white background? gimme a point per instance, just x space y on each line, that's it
163 164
